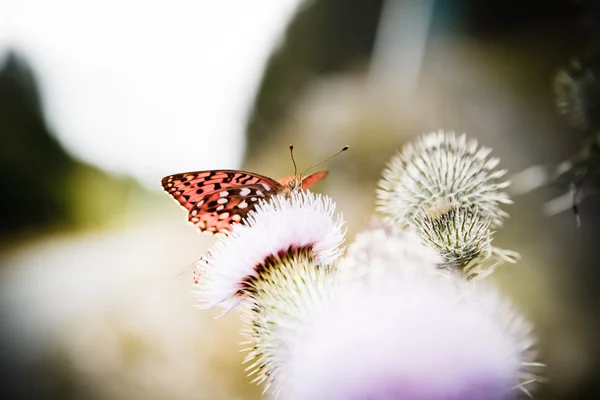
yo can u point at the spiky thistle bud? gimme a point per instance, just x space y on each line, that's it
442 166
284 295
449 190
458 234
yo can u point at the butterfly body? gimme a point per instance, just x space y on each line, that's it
217 199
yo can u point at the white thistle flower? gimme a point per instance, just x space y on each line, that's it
410 333
442 166
303 222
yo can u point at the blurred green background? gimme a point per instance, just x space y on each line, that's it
94 290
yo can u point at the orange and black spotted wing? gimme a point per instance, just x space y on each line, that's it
217 199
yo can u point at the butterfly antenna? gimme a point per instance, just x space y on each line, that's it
294 161
327 159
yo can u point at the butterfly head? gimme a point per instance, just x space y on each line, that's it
297 181
291 183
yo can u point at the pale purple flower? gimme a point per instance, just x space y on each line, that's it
406 331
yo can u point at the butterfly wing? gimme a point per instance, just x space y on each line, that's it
216 212
188 188
200 193
313 178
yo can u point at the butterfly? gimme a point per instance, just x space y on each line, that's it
217 199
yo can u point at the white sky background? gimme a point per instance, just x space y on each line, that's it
147 88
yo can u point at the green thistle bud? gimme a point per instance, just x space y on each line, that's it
458 234
448 189
442 166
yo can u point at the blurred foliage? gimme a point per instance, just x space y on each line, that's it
43 187
324 37
33 166
332 36
508 17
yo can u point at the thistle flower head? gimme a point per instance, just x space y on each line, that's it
283 298
303 223
577 93
442 166
409 334
458 234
